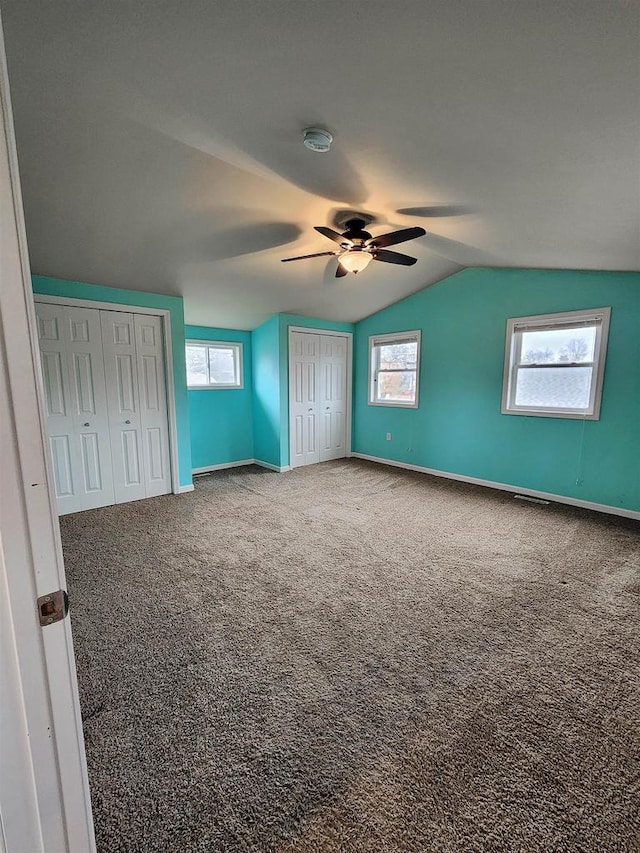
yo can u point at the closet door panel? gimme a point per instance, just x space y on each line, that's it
304 361
92 465
63 471
70 343
125 422
332 393
153 404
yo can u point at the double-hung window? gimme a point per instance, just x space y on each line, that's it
214 364
554 364
394 367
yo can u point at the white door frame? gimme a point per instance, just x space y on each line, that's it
348 388
45 804
165 316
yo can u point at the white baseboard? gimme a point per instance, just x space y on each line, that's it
183 489
279 468
208 468
505 487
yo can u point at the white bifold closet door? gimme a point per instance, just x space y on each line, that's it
106 405
137 404
317 397
76 406
333 397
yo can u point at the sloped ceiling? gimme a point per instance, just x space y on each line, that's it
160 142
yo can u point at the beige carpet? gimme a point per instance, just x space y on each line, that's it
352 658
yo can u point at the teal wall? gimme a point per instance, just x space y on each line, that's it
458 427
221 419
266 391
99 293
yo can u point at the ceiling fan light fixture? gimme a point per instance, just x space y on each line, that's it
355 260
317 139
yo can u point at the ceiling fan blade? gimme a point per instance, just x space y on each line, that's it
304 257
394 258
395 237
436 211
340 271
332 235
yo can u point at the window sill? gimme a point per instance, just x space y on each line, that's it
215 387
541 413
394 405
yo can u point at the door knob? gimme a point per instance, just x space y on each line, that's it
327 408
127 422
309 410
87 424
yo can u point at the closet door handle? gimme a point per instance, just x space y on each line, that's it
87 424
127 422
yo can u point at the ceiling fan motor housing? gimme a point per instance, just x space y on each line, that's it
355 231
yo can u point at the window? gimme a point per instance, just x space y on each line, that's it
214 364
394 362
554 364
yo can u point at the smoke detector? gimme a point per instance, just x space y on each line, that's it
317 139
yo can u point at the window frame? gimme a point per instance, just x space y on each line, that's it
384 340
238 359
540 322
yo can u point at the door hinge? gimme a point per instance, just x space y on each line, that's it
53 607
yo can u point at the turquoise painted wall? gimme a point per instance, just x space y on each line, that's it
458 427
266 391
286 320
221 419
99 293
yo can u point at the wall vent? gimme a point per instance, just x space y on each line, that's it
529 498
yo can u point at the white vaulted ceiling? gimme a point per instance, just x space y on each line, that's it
160 143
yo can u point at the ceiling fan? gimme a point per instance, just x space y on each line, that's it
358 248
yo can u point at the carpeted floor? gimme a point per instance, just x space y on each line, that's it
354 658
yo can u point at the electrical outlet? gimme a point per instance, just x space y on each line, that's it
388 436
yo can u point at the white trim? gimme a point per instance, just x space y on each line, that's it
280 469
399 337
512 357
165 315
238 345
95 303
209 468
348 389
505 487
319 331
184 489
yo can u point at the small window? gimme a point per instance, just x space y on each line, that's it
214 364
554 364
394 367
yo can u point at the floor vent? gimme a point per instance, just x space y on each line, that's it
529 498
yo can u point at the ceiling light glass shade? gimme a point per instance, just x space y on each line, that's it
355 260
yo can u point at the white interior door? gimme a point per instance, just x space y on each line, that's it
153 405
70 341
125 421
332 396
44 790
304 361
